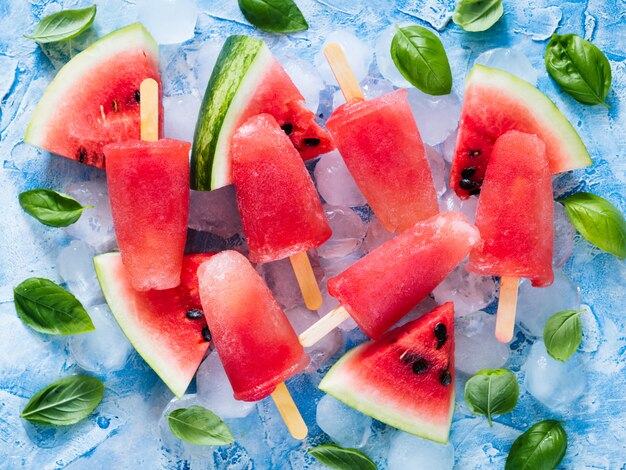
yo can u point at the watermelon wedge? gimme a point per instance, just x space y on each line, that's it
166 327
247 80
94 99
404 379
496 102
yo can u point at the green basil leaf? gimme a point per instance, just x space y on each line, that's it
50 207
598 221
200 426
477 15
275 16
562 334
579 67
341 458
422 60
541 447
48 308
63 25
492 392
66 401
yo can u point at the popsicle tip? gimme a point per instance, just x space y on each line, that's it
289 412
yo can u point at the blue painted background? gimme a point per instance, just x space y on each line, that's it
122 433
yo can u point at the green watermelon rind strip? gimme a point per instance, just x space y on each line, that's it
240 67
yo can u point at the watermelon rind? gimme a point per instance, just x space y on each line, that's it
240 67
74 74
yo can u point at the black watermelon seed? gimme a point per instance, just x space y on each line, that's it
312 142
420 366
441 333
468 184
137 96
288 128
474 153
206 333
82 154
445 378
474 192
468 172
195 314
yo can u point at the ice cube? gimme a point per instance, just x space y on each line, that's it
376 235
306 78
346 426
564 233
476 346
95 226
425 306
103 350
169 21
280 278
335 183
371 87
411 452
451 202
334 266
535 305
438 170
358 53
215 391
348 232
448 147
437 116
180 116
510 60
215 212
468 291
204 62
385 63
75 266
554 383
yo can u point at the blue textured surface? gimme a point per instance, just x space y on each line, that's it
122 433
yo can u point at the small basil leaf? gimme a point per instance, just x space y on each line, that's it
541 447
492 392
50 207
477 15
63 25
48 308
66 401
275 16
562 334
200 426
341 458
579 67
598 221
422 60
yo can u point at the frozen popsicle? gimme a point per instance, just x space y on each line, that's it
381 146
257 345
148 183
281 213
515 220
382 287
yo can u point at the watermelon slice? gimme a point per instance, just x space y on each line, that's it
496 102
166 327
248 80
94 99
404 379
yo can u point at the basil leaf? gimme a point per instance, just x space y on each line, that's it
51 208
63 25
66 401
492 392
598 221
200 426
275 16
541 447
48 308
562 334
422 60
477 15
579 67
341 458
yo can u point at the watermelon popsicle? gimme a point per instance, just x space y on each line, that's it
382 287
257 345
281 213
515 220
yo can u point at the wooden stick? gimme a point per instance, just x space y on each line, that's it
507 305
343 73
306 280
325 325
149 110
289 412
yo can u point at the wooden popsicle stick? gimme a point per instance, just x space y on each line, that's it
343 73
325 325
149 109
306 280
289 412
507 305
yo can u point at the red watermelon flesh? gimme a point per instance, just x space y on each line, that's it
157 323
404 379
